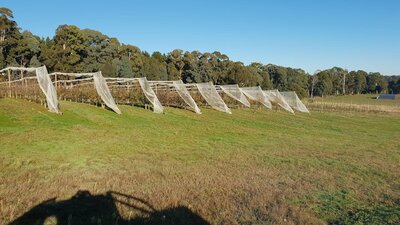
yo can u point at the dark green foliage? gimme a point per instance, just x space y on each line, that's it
124 67
154 67
376 83
357 82
109 69
34 62
393 84
6 12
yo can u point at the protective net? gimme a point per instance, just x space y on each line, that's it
275 97
293 100
210 94
29 86
150 95
104 92
78 87
48 89
234 92
185 95
257 94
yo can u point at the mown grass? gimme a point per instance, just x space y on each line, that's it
251 167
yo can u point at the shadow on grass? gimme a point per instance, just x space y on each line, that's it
85 208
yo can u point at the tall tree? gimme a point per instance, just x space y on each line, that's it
34 62
69 48
27 47
376 83
175 58
134 54
9 36
6 12
124 68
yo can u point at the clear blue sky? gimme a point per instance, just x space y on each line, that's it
308 34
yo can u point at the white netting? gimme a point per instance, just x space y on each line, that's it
48 89
294 101
104 92
257 94
210 94
185 95
150 95
31 69
234 92
275 97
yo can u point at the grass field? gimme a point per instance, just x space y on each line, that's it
251 167
366 103
361 99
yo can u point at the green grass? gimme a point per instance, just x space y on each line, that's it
361 99
251 167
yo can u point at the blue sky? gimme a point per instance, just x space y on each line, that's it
308 34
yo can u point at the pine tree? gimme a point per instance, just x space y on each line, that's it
125 68
34 62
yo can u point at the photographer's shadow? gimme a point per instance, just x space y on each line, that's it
85 209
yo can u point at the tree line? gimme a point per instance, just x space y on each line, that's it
84 50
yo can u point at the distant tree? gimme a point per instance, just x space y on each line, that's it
34 62
173 73
134 55
262 71
109 69
99 50
191 70
124 68
393 84
324 84
9 36
376 83
27 47
153 68
158 56
312 81
69 48
175 58
6 12
356 81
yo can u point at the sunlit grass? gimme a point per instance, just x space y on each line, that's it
254 166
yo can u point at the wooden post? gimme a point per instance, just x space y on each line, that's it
9 82
55 80
129 92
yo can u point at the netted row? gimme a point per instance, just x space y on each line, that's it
37 85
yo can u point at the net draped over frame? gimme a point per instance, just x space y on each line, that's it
185 95
48 89
210 94
275 97
293 100
234 92
104 92
150 95
257 94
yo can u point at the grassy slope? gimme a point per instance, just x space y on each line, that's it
254 166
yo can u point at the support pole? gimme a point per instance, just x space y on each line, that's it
129 92
55 81
9 83
22 83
